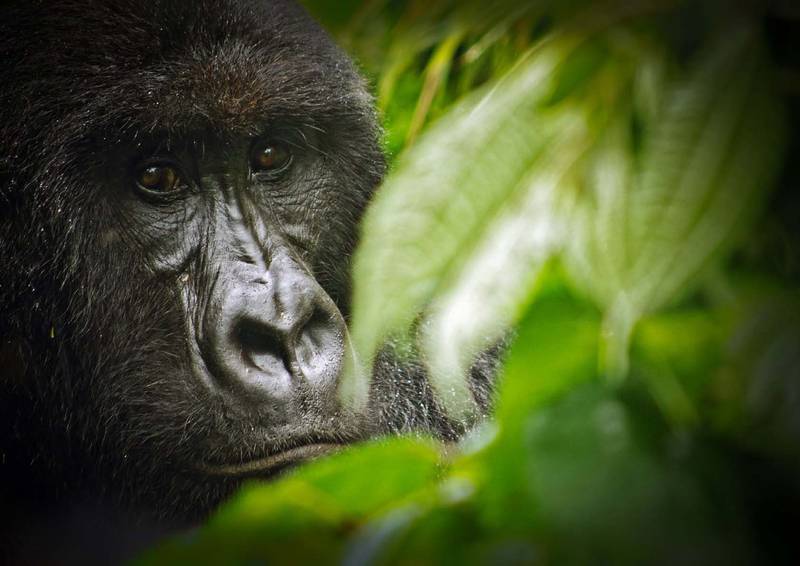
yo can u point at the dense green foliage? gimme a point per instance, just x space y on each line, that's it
603 184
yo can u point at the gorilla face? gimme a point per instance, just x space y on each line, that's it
182 184
242 237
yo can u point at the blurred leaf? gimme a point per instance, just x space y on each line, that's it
555 349
607 494
435 77
555 345
707 167
335 16
677 353
437 534
303 517
707 170
475 309
763 356
432 215
404 466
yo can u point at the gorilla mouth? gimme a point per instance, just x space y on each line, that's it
272 463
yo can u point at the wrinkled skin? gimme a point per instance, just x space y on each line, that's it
180 190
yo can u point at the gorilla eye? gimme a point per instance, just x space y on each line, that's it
158 178
270 157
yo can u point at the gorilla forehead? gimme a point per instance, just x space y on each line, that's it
177 66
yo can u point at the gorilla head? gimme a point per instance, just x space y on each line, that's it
181 184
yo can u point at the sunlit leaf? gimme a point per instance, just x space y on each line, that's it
432 214
485 298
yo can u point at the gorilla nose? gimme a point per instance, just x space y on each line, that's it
275 335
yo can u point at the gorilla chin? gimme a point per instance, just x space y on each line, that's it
181 185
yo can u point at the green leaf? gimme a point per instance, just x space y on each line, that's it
486 296
607 492
304 517
556 350
646 233
708 167
677 354
404 466
441 213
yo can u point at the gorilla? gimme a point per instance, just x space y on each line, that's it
181 185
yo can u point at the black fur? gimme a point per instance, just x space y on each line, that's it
100 415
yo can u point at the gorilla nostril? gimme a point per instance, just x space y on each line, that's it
261 347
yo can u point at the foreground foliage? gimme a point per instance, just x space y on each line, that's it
596 188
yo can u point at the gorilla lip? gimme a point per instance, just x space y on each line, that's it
273 462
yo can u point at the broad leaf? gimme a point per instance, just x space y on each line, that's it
647 232
439 214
